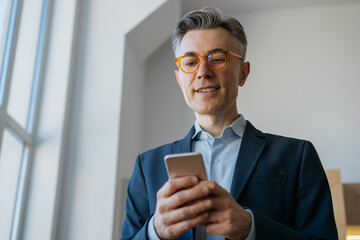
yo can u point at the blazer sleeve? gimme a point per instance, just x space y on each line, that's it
137 214
313 213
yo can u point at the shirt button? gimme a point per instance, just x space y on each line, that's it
217 160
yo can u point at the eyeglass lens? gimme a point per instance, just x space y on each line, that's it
215 61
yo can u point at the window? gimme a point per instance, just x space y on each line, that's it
23 31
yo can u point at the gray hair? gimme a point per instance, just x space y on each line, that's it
209 17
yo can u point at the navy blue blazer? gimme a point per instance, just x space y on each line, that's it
281 180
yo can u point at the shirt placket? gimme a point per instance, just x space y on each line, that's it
214 160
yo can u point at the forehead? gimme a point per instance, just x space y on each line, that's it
204 40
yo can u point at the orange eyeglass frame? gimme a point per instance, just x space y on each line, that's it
227 53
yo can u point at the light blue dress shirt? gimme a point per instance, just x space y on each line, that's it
220 156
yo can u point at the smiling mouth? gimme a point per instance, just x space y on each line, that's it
205 90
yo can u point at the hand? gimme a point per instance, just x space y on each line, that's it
180 206
226 217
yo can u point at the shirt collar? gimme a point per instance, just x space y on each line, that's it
237 128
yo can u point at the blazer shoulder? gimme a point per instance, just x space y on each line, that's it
284 138
161 150
271 138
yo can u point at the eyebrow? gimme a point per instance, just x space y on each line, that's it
209 52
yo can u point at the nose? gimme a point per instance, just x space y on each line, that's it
204 71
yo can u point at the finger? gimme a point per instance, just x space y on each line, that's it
230 227
176 229
218 228
187 196
175 184
216 217
223 207
221 202
188 211
215 188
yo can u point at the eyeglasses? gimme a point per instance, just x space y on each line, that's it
215 61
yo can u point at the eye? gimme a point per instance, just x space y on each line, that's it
217 58
190 61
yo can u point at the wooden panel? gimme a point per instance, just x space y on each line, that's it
352 203
337 195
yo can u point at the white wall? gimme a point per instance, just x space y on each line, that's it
166 115
304 83
140 42
305 79
88 196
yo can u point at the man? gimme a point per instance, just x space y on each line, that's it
260 186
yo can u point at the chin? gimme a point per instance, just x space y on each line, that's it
207 111
206 108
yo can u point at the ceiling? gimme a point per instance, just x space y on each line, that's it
238 6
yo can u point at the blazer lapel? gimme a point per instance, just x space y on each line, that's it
184 145
251 148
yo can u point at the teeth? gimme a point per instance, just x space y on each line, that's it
207 89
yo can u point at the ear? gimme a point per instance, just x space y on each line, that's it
177 74
245 70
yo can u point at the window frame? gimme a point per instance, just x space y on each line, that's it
26 134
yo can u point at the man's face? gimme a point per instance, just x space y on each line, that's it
207 91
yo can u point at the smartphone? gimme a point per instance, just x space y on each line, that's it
185 164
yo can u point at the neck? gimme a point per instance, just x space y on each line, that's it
215 124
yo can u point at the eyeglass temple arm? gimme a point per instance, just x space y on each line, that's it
235 55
